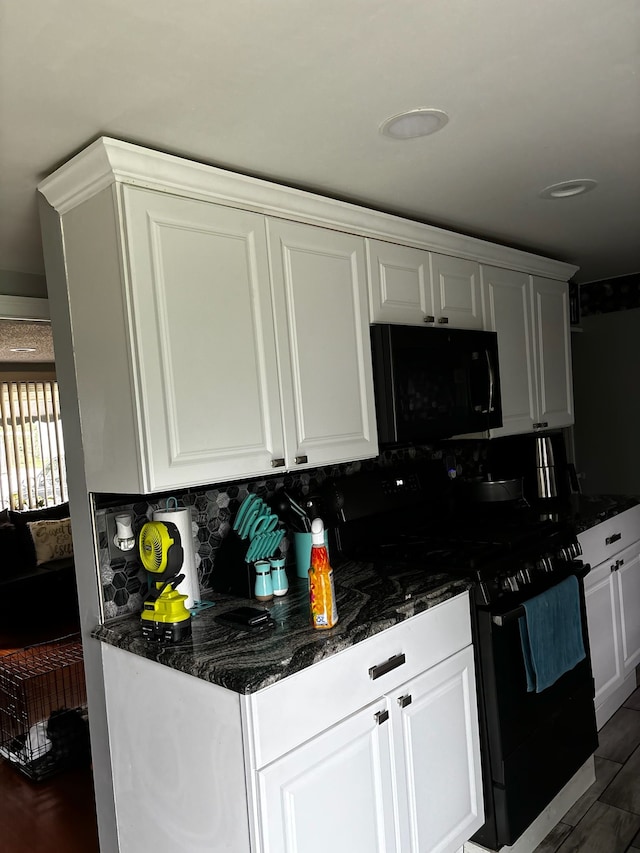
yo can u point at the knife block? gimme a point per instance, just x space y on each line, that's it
231 574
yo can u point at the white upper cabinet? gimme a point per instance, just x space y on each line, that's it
553 353
203 336
507 298
324 350
413 286
208 349
530 315
456 291
399 284
215 326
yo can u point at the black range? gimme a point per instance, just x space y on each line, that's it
407 519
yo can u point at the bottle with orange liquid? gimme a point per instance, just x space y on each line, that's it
322 594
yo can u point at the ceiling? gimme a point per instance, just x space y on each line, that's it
295 91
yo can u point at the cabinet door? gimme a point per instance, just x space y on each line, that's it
399 284
322 319
507 305
200 305
628 583
437 756
334 792
602 621
553 353
456 292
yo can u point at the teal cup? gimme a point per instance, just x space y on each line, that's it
302 550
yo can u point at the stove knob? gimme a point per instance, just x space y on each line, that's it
510 584
523 576
545 563
575 550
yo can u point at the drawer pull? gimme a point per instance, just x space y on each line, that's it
381 717
443 320
382 668
403 701
611 539
429 318
277 463
301 460
541 425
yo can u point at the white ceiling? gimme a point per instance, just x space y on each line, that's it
294 91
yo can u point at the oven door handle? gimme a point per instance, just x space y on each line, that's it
500 619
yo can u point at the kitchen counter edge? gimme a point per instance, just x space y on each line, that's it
244 662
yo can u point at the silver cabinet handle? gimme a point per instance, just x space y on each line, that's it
611 539
301 460
541 425
403 701
277 463
381 717
429 318
443 320
382 668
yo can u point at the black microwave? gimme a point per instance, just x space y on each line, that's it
434 383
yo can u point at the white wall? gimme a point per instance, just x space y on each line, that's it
606 378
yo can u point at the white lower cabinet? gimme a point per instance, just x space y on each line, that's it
402 774
374 749
334 792
612 593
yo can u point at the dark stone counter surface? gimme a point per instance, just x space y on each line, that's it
367 604
588 510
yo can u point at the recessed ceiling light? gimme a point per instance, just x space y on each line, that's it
409 125
22 349
567 189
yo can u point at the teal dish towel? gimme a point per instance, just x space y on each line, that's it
551 634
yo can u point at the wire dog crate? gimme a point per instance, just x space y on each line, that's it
43 718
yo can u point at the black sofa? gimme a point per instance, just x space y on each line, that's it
29 588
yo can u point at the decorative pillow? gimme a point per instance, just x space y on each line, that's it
52 539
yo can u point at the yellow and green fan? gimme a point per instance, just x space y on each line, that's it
160 548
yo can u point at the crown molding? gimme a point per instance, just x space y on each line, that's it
110 161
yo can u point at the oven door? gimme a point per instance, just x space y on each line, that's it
534 742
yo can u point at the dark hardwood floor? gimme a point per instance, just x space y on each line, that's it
606 819
54 816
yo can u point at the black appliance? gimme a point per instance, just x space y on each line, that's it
532 743
541 460
434 383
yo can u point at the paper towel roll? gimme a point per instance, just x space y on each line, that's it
181 517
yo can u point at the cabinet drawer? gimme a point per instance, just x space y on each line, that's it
610 536
292 711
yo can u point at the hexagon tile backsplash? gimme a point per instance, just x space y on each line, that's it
213 508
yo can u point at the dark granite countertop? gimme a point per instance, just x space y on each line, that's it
243 662
588 510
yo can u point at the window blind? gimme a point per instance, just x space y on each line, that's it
32 470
